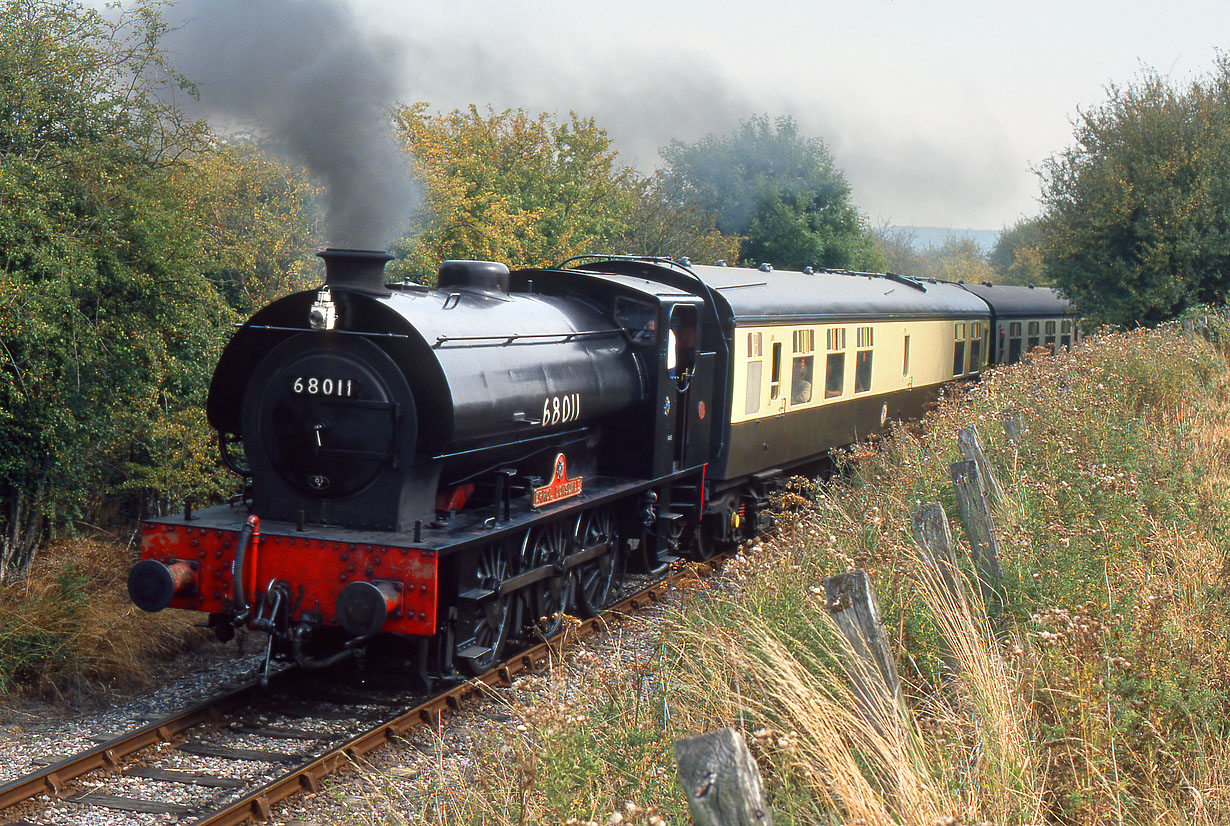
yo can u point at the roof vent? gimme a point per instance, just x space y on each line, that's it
809 271
765 267
487 277
358 270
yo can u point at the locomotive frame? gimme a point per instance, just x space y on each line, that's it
444 471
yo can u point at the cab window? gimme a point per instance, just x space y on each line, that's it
639 319
681 342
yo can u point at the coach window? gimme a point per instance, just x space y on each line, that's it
1014 342
775 372
801 370
1034 340
755 372
862 359
905 360
975 347
958 350
1050 336
1065 334
835 364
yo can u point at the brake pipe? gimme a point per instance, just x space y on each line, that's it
249 534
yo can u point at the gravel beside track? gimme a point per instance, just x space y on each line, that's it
394 783
396 777
32 733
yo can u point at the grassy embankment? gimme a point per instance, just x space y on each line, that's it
1102 695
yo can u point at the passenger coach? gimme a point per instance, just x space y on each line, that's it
1023 318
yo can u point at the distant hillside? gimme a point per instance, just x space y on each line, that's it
930 237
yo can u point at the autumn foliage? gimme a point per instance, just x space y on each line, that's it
533 191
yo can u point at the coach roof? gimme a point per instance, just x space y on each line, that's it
779 295
1022 302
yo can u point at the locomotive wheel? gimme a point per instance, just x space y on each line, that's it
483 625
702 546
598 581
549 599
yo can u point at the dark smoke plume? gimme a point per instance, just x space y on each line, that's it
303 72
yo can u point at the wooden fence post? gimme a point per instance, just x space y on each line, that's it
852 605
929 525
721 780
971 448
980 530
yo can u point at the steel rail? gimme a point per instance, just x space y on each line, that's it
53 780
258 804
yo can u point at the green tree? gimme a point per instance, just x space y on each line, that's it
779 189
958 259
1017 254
1136 226
898 249
257 219
108 326
662 223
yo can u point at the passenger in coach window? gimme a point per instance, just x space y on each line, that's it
800 385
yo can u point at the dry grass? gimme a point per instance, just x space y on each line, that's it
69 631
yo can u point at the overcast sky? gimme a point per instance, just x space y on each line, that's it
936 111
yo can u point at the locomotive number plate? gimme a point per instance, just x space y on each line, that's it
561 409
317 386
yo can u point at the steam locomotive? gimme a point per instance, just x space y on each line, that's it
449 470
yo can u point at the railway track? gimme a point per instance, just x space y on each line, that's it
287 738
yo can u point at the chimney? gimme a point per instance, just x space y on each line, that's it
360 271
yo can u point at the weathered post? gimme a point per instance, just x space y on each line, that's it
852 605
929 525
980 530
721 780
971 448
